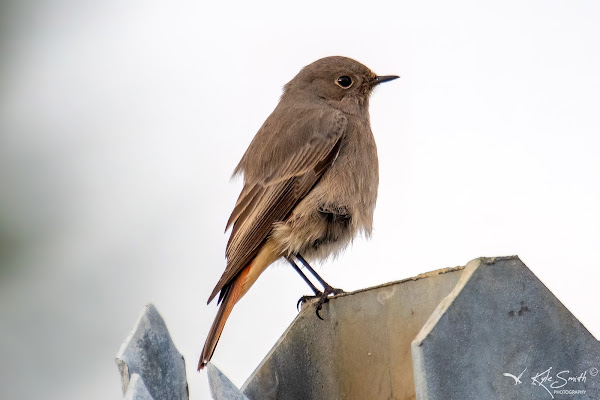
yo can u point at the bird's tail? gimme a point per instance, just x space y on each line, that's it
231 293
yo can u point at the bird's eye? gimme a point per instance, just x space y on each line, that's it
344 81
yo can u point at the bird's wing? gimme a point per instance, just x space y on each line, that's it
284 182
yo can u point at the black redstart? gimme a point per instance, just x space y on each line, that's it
310 181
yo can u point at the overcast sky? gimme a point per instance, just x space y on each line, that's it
121 123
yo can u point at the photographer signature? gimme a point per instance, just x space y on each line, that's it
558 381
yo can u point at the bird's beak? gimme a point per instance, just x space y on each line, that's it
380 79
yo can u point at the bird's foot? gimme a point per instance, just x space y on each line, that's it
321 297
333 291
305 299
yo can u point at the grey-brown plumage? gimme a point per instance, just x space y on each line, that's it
310 178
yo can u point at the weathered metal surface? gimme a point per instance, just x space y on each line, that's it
150 353
501 334
362 348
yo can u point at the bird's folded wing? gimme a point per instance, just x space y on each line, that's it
271 199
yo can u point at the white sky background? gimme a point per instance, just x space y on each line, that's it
121 122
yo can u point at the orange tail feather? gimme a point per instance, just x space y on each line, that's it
232 293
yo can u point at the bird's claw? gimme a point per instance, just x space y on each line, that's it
323 298
304 299
333 291
320 303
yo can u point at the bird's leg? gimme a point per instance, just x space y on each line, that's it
318 293
328 289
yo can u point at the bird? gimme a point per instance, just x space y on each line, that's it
310 181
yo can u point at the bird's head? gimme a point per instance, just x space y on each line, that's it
340 81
